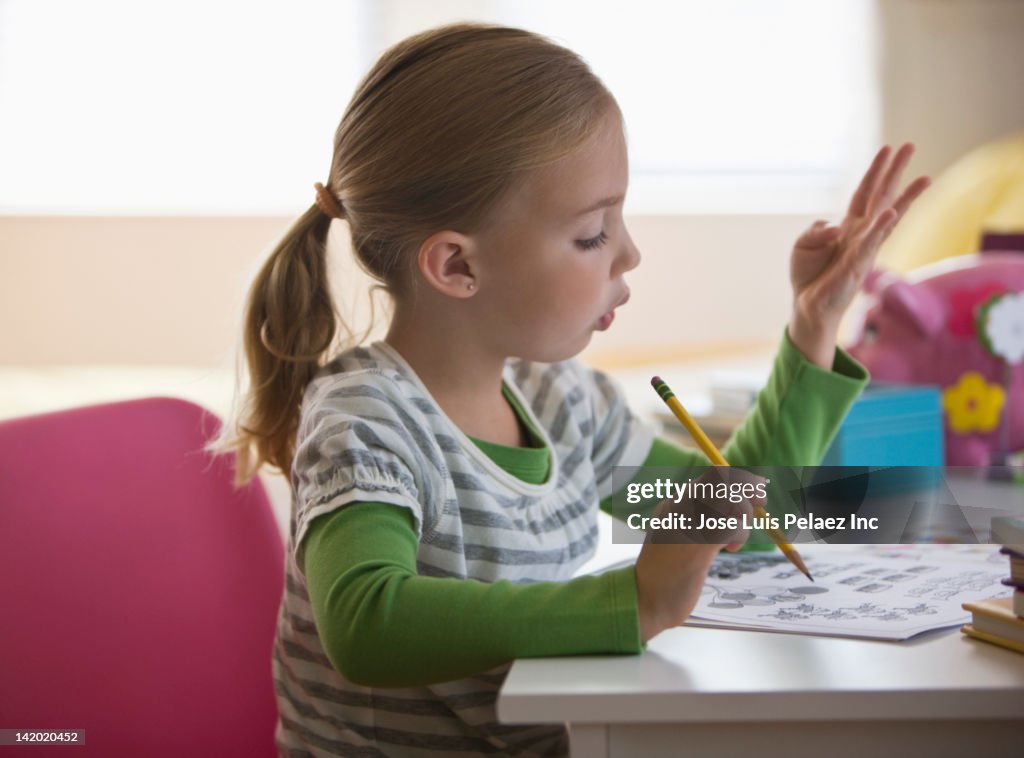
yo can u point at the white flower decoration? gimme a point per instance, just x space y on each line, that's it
1004 326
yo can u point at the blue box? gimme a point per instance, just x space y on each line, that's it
890 425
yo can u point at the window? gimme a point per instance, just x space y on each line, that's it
192 107
220 106
730 105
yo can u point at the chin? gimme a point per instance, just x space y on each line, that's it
556 353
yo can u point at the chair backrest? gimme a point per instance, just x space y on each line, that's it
138 588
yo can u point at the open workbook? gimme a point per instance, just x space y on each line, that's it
887 592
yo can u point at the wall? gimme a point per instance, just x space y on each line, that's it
125 290
952 73
171 290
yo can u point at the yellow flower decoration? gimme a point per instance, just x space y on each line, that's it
972 404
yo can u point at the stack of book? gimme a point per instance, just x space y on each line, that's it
1001 620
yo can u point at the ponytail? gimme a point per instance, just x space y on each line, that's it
290 323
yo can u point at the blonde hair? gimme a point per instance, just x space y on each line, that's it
443 125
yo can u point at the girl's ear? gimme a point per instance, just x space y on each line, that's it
447 260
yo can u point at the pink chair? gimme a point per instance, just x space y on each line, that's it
138 589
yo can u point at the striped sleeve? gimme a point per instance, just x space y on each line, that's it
619 437
356 444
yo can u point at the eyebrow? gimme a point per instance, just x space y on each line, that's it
601 204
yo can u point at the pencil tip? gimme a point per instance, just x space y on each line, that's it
655 381
809 576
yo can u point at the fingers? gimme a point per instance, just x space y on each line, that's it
910 194
825 283
879 185
891 180
875 196
860 204
712 509
819 234
879 230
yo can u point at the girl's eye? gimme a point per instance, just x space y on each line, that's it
593 242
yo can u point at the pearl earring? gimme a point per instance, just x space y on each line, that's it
471 286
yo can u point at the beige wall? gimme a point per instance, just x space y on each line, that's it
170 290
125 290
952 74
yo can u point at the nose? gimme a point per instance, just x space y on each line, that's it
628 257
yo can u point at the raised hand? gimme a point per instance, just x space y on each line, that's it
830 262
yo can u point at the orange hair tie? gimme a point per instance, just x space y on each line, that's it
327 202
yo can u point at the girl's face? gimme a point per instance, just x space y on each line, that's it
554 256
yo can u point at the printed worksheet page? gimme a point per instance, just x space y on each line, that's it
889 592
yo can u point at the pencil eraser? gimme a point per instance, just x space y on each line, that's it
655 381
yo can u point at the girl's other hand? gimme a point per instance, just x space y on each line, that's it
673 564
830 262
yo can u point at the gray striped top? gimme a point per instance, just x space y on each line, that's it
371 432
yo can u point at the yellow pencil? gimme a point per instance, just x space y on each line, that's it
718 459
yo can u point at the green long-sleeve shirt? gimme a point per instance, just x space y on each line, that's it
383 625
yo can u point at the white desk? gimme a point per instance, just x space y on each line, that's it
719 692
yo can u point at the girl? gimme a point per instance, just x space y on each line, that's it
446 480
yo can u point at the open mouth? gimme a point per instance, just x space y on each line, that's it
606 320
